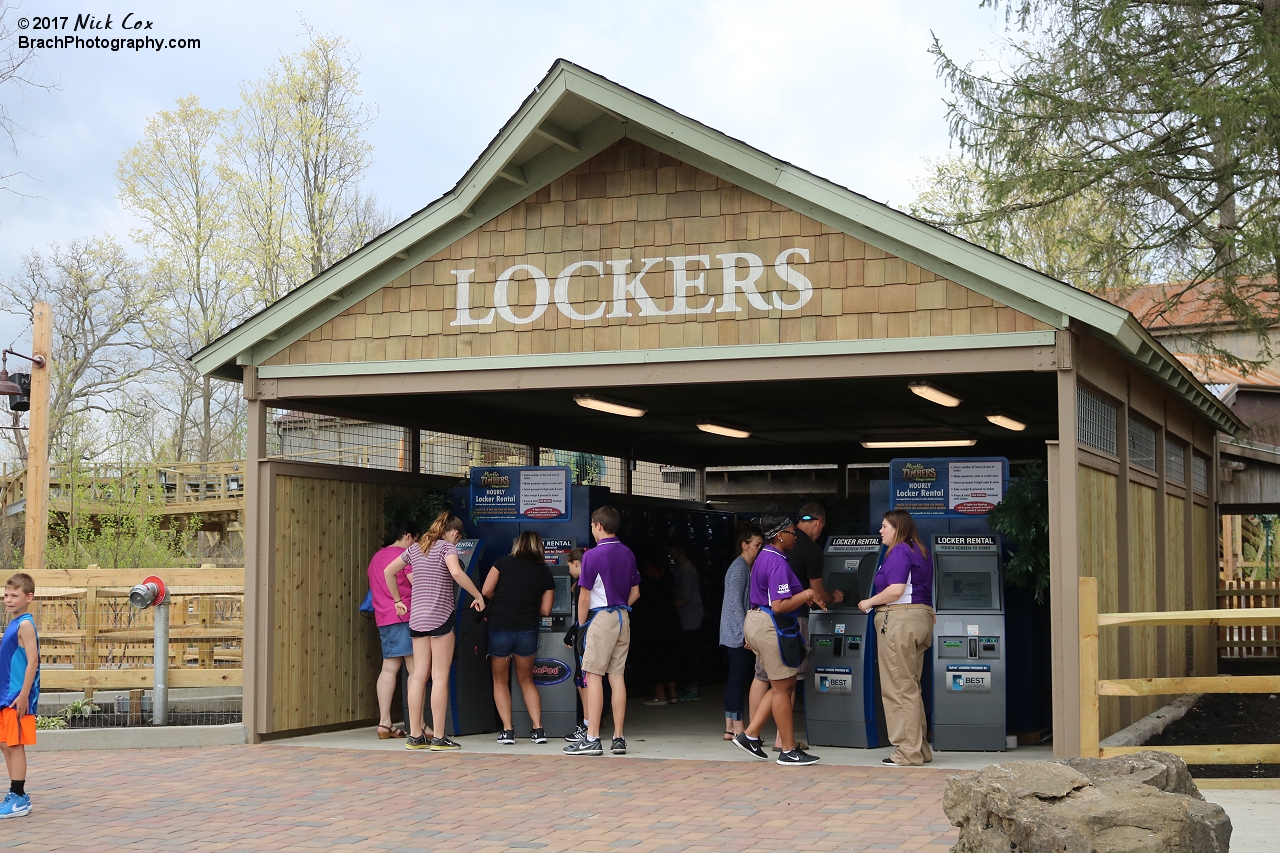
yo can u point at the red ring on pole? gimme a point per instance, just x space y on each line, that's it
161 592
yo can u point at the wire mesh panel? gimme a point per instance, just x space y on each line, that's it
1096 421
307 437
1175 465
666 481
588 469
1200 474
455 455
1142 444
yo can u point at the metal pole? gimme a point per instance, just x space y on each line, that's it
160 695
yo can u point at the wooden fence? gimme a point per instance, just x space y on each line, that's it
1091 686
1248 641
92 638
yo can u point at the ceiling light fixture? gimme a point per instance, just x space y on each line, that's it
940 442
934 395
613 407
721 429
1006 422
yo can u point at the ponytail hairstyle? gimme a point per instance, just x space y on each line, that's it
905 530
444 522
528 546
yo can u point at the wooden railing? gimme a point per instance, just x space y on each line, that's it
176 488
1091 686
1251 641
91 638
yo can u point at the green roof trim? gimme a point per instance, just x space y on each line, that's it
574 114
937 343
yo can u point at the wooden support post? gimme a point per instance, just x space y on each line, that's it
1088 604
1228 549
37 486
90 632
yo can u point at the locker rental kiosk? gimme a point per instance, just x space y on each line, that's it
554 663
969 682
842 704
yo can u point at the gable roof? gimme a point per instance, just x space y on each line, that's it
574 114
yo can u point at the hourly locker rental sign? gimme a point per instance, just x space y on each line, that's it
503 493
948 487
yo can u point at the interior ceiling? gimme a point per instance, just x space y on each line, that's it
791 422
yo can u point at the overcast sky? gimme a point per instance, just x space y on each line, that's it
844 89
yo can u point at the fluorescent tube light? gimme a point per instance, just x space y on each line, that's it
721 429
934 395
941 442
1006 422
600 404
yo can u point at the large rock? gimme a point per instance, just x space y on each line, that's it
1140 803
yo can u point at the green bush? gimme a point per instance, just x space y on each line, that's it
1023 517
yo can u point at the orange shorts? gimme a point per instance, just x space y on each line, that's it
15 730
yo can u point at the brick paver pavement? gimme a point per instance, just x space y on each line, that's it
285 798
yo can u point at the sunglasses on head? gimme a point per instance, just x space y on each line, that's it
810 517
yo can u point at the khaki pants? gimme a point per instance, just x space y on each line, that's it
904 631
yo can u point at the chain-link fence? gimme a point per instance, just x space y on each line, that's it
97 651
305 437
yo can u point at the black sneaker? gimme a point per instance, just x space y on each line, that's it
586 746
751 746
440 744
419 742
797 758
579 732
508 736
619 746
537 736
889 762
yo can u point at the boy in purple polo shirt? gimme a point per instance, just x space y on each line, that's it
612 583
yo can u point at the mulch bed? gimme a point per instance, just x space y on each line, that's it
1230 718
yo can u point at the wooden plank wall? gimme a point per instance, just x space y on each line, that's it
1098 550
1134 537
326 654
1143 658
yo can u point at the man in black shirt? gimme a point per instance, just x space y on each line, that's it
805 556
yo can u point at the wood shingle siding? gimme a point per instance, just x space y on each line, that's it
627 204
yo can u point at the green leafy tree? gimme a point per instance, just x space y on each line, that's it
1168 110
1080 239
172 181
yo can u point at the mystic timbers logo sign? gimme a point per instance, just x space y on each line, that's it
916 473
550 671
693 277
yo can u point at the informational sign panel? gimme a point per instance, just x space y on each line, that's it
947 487
503 493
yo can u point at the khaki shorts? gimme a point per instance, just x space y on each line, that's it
761 675
608 639
763 639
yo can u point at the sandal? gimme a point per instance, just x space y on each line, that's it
386 732
729 735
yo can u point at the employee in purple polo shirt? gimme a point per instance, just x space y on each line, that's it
772 631
903 600
612 583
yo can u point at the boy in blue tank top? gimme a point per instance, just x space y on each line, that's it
20 686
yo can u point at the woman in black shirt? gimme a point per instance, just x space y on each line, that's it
519 591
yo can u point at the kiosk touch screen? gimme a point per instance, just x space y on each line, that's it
560 602
969 683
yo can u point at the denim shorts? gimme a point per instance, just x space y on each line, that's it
504 644
395 640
